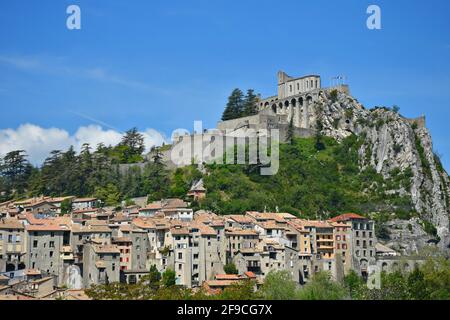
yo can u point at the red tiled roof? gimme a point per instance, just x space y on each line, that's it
346 217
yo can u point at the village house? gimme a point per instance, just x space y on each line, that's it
101 264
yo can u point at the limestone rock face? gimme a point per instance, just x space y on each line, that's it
393 143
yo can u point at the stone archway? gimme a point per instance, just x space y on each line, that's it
274 108
406 267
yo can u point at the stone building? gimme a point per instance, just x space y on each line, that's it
101 264
12 245
363 241
45 244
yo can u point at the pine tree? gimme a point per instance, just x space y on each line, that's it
131 147
290 132
16 170
235 105
250 103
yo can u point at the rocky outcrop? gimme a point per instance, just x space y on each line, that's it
393 145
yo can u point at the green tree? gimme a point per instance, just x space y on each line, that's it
319 137
109 195
322 287
250 103
16 170
355 285
290 132
131 148
66 206
235 105
230 268
278 285
243 290
168 278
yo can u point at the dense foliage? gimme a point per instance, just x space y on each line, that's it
239 105
318 177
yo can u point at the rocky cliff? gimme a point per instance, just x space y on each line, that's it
394 145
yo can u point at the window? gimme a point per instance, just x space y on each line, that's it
113 267
180 266
52 244
52 234
290 88
51 254
180 255
10 238
35 244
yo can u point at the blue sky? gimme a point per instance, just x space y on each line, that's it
164 64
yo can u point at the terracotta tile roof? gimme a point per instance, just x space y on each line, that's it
250 275
91 229
78 200
11 224
271 224
32 272
241 232
204 229
346 217
89 210
121 239
316 224
47 227
220 283
152 206
239 218
180 231
105 248
59 199
227 277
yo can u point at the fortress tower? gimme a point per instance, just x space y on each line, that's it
289 86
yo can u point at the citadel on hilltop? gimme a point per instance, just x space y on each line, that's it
295 103
295 100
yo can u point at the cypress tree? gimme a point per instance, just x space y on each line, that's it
235 105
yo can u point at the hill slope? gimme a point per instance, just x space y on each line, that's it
374 162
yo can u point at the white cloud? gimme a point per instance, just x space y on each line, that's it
38 142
